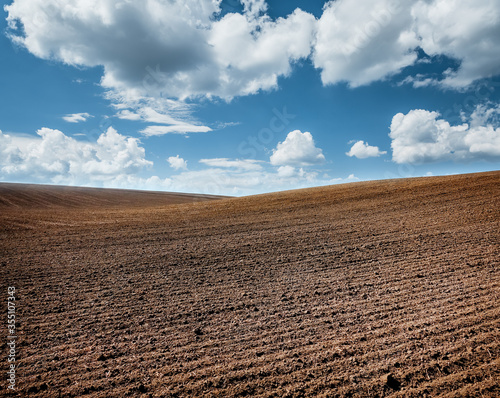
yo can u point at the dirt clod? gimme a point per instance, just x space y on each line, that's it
390 381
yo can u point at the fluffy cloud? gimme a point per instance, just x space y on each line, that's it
186 49
421 136
362 41
125 37
290 172
252 53
118 161
55 157
362 150
287 171
466 30
298 149
77 117
177 48
177 162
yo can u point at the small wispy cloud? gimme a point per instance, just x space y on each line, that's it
174 129
242 164
167 116
126 114
223 125
77 117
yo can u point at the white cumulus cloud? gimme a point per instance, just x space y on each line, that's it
177 162
116 161
421 136
177 49
466 30
287 171
298 149
362 41
188 49
362 150
55 157
252 53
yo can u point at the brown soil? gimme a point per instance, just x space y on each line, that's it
31 196
372 289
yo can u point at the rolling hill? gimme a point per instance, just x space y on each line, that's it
371 289
44 196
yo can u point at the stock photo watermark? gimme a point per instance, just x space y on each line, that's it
11 337
253 144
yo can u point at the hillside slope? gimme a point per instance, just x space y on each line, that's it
373 289
44 196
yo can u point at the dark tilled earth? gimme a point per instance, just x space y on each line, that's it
373 289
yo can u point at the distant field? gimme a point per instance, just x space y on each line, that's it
53 196
372 289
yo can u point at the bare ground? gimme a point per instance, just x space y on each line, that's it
373 289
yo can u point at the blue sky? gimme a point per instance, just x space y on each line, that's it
247 97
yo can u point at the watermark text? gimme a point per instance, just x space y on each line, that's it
11 337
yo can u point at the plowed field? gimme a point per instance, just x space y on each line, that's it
372 289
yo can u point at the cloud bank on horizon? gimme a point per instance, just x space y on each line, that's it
117 161
160 57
